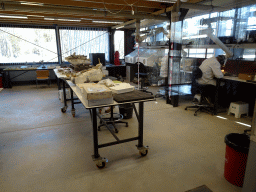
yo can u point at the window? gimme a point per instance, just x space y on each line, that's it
210 53
27 45
249 54
119 43
197 53
226 23
84 41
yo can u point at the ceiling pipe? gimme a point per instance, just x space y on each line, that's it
74 11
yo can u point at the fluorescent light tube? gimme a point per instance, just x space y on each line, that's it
47 18
73 20
106 22
35 16
56 19
14 17
31 3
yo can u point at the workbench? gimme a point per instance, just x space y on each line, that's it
101 161
245 91
8 80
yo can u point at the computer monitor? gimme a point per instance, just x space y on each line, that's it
94 57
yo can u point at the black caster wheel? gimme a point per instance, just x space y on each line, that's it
116 131
101 166
195 114
186 108
143 154
98 128
63 110
127 125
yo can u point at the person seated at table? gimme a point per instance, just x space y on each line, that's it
211 69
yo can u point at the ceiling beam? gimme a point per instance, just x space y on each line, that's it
74 11
109 4
42 15
59 23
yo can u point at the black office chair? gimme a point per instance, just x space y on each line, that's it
143 74
203 103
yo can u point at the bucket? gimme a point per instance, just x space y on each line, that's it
237 148
126 110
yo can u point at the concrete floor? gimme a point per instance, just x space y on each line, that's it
43 149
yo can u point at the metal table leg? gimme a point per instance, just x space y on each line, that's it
64 109
216 105
142 149
73 111
100 161
58 83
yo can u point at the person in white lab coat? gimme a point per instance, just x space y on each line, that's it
211 69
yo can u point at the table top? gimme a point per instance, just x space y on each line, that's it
60 75
233 78
29 69
83 100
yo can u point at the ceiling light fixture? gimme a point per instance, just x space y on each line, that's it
72 20
31 3
57 19
107 22
47 18
35 16
14 17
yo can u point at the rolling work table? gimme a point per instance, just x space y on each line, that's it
143 150
101 161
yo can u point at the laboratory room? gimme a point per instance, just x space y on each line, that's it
128 95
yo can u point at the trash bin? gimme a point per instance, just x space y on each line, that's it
126 110
237 148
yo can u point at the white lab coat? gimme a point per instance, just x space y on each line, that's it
210 68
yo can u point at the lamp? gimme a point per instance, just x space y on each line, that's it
216 40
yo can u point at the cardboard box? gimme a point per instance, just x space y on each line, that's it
61 95
245 76
94 91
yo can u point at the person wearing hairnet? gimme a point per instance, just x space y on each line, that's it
211 69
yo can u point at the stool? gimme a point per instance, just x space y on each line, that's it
238 108
112 118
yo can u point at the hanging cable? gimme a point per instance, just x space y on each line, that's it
120 9
111 11
79 46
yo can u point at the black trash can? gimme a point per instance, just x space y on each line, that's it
126 110
237 148
175 100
